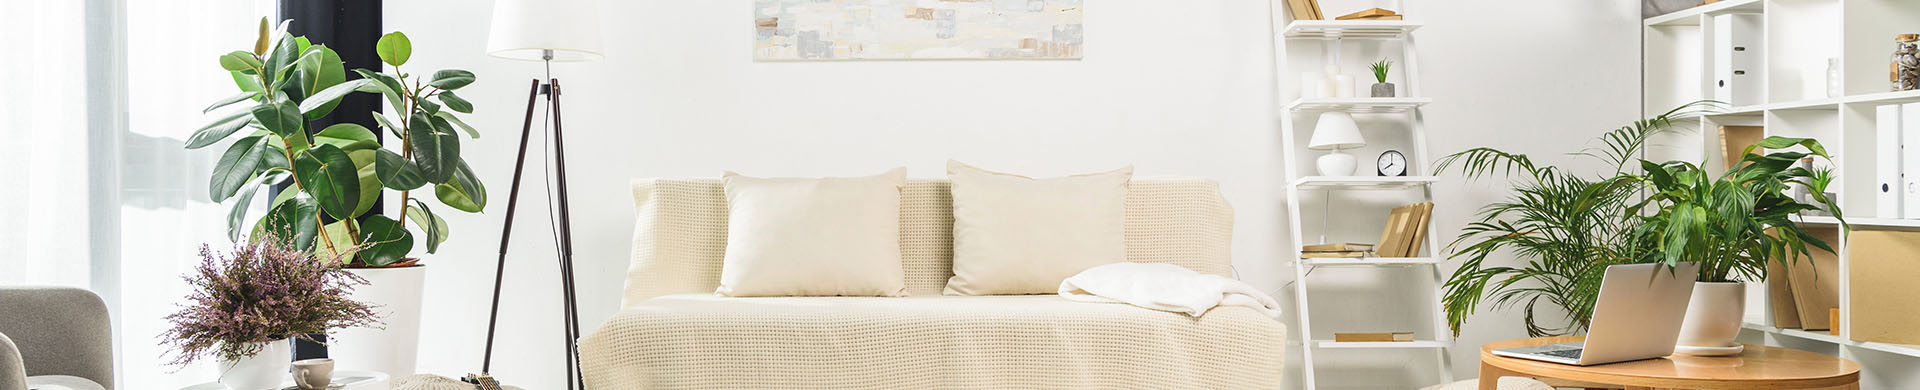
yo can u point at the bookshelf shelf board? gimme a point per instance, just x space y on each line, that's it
1898 349
1884 98
1370 261
1359 105
1349 29
1364 182
1416 344
1691 16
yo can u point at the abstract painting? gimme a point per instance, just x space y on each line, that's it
830 30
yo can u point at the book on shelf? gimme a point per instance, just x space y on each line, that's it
1406 230
1373 337
1337 247
1333 254
1369 13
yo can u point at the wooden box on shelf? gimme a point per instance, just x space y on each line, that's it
1883 273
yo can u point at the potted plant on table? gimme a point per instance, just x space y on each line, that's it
1566 226
248 304
330 178
1732 224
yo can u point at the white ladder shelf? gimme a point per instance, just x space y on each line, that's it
1333 33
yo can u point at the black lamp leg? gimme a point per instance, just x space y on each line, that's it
506 230
574 380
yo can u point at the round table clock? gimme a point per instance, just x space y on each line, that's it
1391 163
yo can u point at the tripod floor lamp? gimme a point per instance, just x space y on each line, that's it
545 31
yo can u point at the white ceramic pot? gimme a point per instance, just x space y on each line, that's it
263 371
1714 314
395 294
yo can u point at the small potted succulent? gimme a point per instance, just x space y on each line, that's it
247 305
1381 88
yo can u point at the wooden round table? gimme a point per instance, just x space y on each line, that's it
1758 367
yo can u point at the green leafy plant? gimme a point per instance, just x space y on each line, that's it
1380 70
335 174
1732 224
1567 227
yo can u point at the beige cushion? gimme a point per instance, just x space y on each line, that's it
701 341
813 236
1014 234
680 232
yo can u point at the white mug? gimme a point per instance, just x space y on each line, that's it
313 374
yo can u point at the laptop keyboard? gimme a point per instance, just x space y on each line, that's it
1565 353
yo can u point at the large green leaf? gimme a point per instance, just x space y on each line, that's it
451 79
436 150
347 136
280 118
455 103
236 167
329 73
219 129
240 61
393 48
293 219
396 172
363 167
247 82
386 241
433 225
230 100
325 99
237 213
464 192
285 53
458 123
328 174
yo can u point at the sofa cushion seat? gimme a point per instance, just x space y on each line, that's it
698 341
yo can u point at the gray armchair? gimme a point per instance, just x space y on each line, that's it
56 335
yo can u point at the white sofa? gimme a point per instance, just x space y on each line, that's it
674 333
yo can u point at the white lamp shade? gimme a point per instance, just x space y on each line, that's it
1335 131
526 29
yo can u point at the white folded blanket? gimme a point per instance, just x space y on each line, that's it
1165 287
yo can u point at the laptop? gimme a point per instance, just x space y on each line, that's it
1636 317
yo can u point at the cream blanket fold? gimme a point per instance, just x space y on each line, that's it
1164 287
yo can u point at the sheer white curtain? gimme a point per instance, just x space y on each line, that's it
97 191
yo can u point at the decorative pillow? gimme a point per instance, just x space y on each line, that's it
1019 235
813 237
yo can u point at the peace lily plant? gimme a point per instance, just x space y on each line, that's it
333 175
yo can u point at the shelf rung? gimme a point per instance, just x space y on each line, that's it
1416 344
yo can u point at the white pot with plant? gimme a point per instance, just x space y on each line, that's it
333 176
1381 88
1732 225
247 306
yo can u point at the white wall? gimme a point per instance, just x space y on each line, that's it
1175 88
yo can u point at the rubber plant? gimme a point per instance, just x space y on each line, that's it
333 175
1565 226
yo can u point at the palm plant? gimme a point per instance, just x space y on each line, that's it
1380 69
1732 224
1568 227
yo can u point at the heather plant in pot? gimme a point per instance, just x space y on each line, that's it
1732 224
248 304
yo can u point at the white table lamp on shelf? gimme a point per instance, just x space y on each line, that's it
546 31
1335 131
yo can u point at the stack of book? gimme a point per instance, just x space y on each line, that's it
1404 236
1371 14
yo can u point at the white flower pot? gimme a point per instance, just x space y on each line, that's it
395 295
263 371
1714 314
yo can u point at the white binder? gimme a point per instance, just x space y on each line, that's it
1737 79
1889 189
1910 160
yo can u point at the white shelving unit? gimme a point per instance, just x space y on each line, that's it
1797 39
1382 121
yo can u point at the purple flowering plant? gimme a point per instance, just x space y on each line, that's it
263 291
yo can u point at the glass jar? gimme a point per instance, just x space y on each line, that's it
1906 63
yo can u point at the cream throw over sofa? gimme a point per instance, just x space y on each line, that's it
674 333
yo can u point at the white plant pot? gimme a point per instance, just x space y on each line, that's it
1714 314
263 371
395 295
